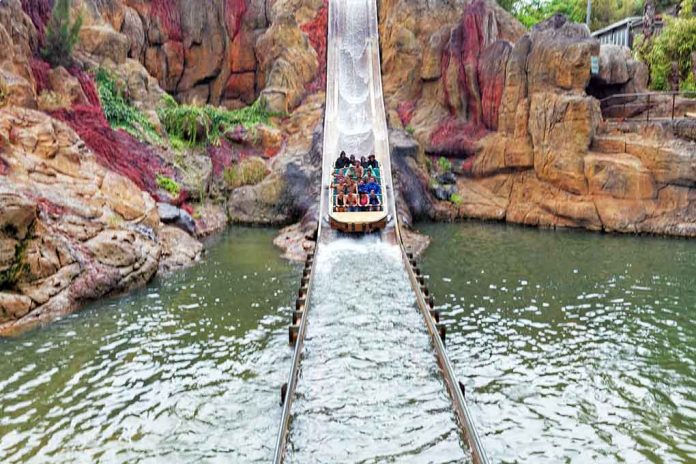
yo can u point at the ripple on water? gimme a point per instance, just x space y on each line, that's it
587 357
186 370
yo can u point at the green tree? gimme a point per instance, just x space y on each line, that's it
61 34
669 54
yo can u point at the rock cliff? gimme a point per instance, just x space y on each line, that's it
88 209
520 109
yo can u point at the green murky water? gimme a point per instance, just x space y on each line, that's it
574 347
186 370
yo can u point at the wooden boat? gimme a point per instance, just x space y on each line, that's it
357 221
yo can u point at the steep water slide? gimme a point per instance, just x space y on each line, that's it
364 386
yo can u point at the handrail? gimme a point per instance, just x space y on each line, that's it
643 106
645 94
282 437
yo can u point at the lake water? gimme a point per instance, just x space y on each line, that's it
574 347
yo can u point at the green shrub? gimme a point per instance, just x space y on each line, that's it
120 113
456 199
250 171
207 124
61 35
12 274
444 164
674 44
168 184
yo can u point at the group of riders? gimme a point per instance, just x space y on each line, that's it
356 184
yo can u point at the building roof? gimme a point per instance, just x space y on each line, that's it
629 21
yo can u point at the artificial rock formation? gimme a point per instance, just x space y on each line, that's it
71 230
552 161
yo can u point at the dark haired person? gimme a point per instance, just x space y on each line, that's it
364 202
372 162
353 202
372 185
342 161
340 202
375 204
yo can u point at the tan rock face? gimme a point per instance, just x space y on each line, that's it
619 175
104 42
562 128
13 306
287 64
179 249
69 229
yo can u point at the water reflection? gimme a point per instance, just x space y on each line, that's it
576 347
185 370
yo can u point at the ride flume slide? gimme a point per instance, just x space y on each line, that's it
355 122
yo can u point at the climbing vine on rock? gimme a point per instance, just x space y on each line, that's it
196 125
120 113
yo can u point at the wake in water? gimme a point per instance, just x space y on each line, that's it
369 389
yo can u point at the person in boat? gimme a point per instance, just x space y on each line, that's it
353 205
361 186
339 186
352 160
372 185
340 202
357 167
363 162
351 186
375 204
364 202
372 162
342 161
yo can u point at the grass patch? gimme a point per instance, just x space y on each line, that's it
200 125
250 171
168 184
11 275
120 113
444 164
410 130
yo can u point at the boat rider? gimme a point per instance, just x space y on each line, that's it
342 161
374 201
372 185
372 162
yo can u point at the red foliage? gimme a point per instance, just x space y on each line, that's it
456 138
116 150
234 13
405 110
222 157
88 86
39 11
316 31
167 12
40 69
